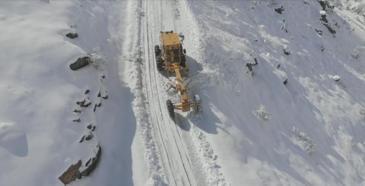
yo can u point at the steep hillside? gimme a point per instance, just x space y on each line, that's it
296 117
42 128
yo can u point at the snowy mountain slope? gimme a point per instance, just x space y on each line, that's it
38 139
305 132
297 118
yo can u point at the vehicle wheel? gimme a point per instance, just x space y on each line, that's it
170 108
183 61
157 50
160 66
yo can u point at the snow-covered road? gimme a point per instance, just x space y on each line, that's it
175 158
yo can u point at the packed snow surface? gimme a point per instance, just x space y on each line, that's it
281 83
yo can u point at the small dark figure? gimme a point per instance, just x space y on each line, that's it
279 10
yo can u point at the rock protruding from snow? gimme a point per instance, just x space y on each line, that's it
71 173
335 77
262 114
72 35
303 141
80 63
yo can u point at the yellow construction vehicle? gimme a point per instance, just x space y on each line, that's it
171 52
171 59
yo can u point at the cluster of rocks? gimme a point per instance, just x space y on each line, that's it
88 104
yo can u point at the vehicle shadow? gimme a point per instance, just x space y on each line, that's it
182 122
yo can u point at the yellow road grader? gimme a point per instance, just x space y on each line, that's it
171 59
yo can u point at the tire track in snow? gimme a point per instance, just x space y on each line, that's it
133 49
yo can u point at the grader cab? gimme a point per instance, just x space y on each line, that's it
170 52
170 58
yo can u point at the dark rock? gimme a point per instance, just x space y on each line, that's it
250 65
88 162
319 32
324 19
77 120
279 10
93 164
89 126
89 136
97 105
82 139
286 52
72 35
322 48
71 173
93 129
285 81
325 4
80 62
99 94
80 102
105 97
83 103
77 111
87 91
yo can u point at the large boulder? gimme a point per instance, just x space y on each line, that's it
80 62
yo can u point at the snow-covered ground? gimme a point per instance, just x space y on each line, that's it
297 118
308 131
38 92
